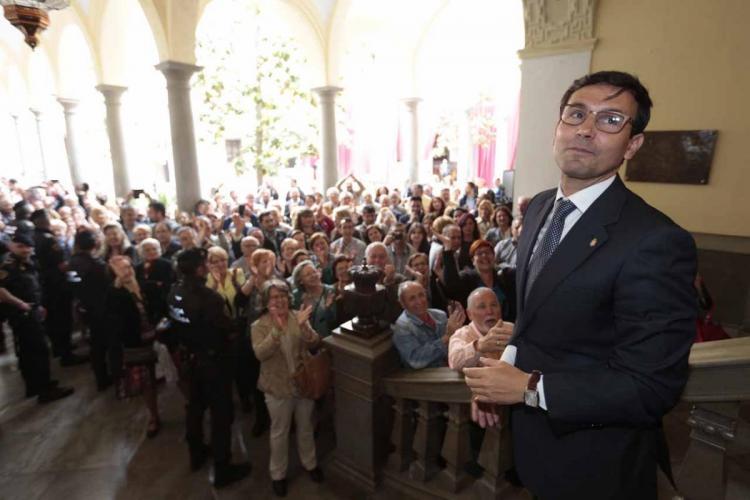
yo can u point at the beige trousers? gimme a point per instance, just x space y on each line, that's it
281 411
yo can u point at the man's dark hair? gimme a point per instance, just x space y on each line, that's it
190 260
85 240
368 209
627 83
264 214
416 198
159 207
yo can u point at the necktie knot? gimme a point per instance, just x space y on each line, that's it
563 208
550 240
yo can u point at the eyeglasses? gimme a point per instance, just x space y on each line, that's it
609 122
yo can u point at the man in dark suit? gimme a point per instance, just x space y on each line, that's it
606 312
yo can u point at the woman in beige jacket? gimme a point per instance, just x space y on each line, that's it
279 337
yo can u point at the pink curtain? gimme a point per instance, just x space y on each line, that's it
484 159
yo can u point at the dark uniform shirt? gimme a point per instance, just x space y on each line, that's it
21 279
199 318
50 257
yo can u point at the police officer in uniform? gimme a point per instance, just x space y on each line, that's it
20 280
205 332
89 281
56 295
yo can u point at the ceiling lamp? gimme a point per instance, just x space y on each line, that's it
30 16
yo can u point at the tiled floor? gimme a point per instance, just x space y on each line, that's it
91 446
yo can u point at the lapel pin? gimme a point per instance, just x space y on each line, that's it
593 242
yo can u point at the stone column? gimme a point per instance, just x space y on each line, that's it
184 152
329 149
559 44
112 94
21 157
71 147
412 141
38 117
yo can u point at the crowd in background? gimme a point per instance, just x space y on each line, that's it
280 263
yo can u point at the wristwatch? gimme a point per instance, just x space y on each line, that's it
530 395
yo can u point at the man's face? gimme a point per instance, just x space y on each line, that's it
417 190
248 247
187 239
484 311
258 235
347 229
368 218
377 257
454 233
587 155
414 299
128 216
21 251
416 206
267 222
445 194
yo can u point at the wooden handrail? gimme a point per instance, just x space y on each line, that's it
428 384
719 371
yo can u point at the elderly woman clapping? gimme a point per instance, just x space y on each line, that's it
280 337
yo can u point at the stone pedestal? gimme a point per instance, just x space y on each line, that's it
329 146
363 414
112 94
412 139
71 146
184 152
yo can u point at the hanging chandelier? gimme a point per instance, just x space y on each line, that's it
30 16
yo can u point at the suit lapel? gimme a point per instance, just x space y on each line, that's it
532 225
586 237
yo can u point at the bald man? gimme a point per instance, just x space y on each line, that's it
484 336
421 334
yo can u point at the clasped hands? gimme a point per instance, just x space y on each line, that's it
494 383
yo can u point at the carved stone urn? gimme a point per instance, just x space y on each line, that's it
365 299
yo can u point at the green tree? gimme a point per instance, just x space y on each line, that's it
251 89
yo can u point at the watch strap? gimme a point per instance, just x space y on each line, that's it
533 380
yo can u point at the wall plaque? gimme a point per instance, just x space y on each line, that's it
674 156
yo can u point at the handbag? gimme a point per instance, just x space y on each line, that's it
707 330
313 376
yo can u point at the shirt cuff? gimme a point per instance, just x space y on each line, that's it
540 392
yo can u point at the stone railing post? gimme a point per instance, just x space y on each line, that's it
363 412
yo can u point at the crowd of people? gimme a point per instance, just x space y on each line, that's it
240 287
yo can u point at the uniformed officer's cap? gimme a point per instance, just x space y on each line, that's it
38 214
190 260
23 238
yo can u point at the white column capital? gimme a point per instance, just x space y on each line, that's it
327 92
69 105
411 102
111 93
177 73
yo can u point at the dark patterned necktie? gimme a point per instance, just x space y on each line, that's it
550 240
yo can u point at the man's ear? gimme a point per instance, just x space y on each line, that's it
634 144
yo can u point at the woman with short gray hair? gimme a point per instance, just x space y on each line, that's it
310 291
280 337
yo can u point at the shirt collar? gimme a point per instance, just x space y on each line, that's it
584 198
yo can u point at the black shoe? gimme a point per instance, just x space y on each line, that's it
30 393
279 487
225 475
54 393
199 457
73 360
260 427
316 475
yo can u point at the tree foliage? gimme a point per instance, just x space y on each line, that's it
251 89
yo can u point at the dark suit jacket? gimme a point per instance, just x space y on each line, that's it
609 322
